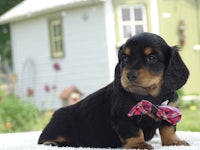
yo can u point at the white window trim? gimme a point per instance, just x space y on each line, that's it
121 23
54 52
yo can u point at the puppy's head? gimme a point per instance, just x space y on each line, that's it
147 64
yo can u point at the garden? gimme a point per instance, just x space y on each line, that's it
17 115
190 114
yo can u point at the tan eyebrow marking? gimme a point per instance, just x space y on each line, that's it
148 50
127 51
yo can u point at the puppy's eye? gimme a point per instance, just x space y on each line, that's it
151 59
125 58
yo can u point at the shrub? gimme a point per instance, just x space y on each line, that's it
17 115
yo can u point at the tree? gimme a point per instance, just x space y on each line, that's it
5 48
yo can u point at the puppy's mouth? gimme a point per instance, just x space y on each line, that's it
148 88
139 89
143 83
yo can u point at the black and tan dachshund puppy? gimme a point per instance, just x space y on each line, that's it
148 69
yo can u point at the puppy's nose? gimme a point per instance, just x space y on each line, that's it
132 76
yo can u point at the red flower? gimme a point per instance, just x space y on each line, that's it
8 125
47 88
30 92
56 67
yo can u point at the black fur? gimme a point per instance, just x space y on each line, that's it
177 73
100 120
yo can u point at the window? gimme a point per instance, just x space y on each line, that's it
132 21
56 38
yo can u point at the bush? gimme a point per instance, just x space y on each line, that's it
17 115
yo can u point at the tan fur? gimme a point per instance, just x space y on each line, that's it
127 51
148 50
168 136
136 142
146 83
54 142
61 139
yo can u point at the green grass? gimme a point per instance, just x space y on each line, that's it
43 120
190 120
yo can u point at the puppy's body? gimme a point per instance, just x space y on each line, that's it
100 120
91 122
85 124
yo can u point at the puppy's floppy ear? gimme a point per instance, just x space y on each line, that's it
176 73
118 66
120 51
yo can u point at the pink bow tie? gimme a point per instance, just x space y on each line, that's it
167 113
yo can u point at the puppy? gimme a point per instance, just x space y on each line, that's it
148 69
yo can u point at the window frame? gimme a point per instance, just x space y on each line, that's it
56 38
132 22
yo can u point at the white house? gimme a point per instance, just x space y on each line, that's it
76 35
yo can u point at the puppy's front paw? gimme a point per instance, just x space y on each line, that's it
176 143
169 137
136 142
142 145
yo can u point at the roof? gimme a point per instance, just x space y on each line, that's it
30 8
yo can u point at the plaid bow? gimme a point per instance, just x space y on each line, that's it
167 113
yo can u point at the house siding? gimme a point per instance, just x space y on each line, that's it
170 15
85 64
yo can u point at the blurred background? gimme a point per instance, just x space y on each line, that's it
53 53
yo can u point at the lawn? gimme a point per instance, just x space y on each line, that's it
42 121
190 120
